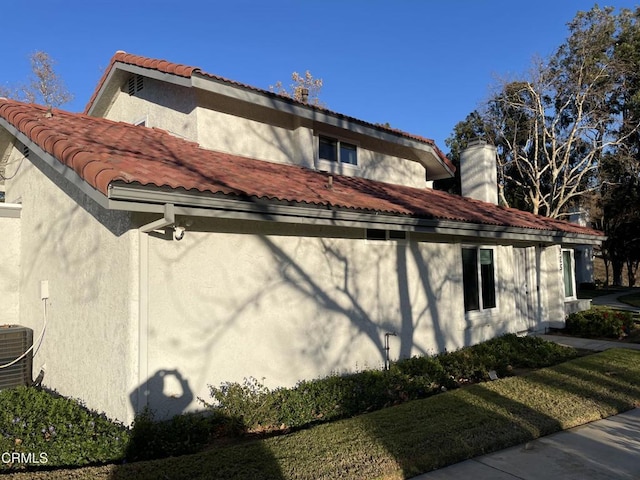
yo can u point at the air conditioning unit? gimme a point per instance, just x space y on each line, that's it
15 340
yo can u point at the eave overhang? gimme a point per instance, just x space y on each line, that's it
151 199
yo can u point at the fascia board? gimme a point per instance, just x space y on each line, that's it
155 74
127 197
50 161
100 92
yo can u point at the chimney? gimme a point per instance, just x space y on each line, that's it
304 95
478 172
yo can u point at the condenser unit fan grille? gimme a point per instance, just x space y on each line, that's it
14 341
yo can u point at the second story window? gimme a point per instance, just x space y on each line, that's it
334 150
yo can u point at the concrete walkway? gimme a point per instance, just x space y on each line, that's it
611 300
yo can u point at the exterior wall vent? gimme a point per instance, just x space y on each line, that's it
15 340
135 84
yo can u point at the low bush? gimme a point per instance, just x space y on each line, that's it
46 430
257 408
180 435
600 322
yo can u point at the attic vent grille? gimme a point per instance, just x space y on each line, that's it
14 341
25 151
135 84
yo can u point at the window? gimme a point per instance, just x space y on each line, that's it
568 276
383 235
478 275
334 150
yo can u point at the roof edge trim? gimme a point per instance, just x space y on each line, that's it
125 197
50 161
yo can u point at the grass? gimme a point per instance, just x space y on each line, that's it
632 299
414 437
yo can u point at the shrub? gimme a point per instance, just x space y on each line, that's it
257 408
600 322
180 435
36 421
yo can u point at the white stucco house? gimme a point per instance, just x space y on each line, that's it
188 230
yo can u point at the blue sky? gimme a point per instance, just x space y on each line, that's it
422 66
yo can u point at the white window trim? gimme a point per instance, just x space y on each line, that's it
338 167
142 121
573 273
482 311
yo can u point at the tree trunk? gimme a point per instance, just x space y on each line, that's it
632 268
606 271
617 272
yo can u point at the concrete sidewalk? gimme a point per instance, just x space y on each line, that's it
606 449
612 301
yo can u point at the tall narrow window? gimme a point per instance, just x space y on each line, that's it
470 279
478 275
567 273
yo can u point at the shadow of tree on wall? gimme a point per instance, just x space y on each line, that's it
346 295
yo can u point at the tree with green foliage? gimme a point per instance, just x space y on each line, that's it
567 134
552 127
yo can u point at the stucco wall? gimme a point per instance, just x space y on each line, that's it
228 304
284 141
87 256
162 105
10 261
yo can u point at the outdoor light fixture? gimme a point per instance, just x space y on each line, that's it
387 363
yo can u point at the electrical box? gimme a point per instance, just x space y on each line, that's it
14 341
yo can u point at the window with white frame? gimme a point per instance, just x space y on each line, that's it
568 274
334 150
478 277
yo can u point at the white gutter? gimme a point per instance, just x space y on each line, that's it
143 300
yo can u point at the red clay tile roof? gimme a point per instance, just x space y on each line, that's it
186 71
102 152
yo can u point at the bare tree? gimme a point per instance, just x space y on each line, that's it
553 127
305 88
44 85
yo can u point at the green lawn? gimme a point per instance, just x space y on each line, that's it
631 299
414 437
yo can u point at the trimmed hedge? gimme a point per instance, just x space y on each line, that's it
600 322
257 408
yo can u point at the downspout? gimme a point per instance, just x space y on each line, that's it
143 300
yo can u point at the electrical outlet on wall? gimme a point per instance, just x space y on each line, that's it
44 289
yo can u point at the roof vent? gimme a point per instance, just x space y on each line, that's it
15 364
